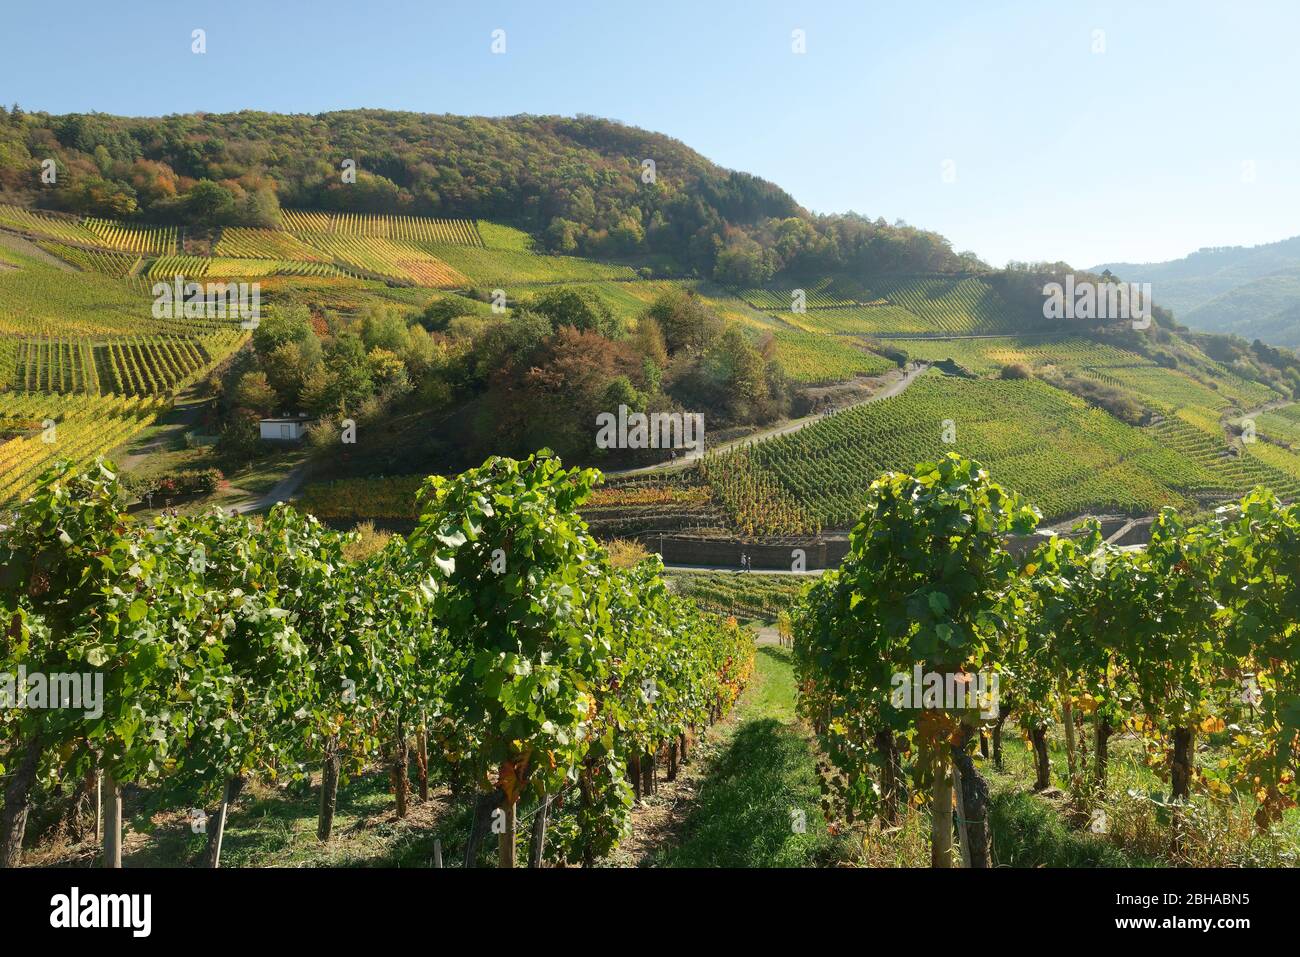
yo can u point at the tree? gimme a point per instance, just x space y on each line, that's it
241 440
349 370
384 328
743 263
685 321
254 392
441 311
285 373
580 308
286 324
210 204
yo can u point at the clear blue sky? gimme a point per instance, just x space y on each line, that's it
1060 153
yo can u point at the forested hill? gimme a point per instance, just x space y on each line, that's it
1251 291
579 185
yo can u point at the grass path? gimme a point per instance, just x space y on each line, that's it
759 786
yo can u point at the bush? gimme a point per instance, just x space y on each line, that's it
182 482
894 354
440 312
1015 370
1112 400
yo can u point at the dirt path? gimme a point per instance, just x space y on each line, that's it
752 798
891 390
658 819
170 430
282 491
29 248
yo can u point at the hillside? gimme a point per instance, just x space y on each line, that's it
578 185
433 305
1249 291
406 324
504 635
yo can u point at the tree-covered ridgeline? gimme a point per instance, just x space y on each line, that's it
577 183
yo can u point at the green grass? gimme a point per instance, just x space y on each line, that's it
1029 832
742 814
1033 831
276 827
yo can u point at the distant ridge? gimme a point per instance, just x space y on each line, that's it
1250 291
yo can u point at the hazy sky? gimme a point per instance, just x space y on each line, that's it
1184 132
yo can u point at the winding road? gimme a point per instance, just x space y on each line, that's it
794 425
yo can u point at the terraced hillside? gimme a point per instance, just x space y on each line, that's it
36 428
75 320
901 305
1065 455
84 364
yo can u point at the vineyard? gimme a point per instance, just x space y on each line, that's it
384 498
421 251
116 264
159 240
52 365
46 428
968 305
571 720
157 365
400 259
1170 389
416 228
819 294
758 596
1281 425
858 320
1199 439
273 244
926 305
807 357
136 365
52 227
84 364
41 300
608 510
496 648
1181 645
988 356
104 233
1067 456
220 267
512 267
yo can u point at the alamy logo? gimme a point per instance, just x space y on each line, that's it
77 691
655 430
103 910
215 300
1098 300
953 691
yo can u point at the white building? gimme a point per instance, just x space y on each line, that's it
284 430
